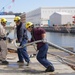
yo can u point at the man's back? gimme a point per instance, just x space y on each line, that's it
37 32
21 32
37 35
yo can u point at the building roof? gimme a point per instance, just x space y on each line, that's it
7 16
57 7
63 13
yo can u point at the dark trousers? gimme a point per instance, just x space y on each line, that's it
42 56
22 52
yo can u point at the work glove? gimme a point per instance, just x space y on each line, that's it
7 33
9 39
44 40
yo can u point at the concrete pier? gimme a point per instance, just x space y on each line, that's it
35 68
60 29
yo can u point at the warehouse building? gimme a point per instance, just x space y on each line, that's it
40 16
60 18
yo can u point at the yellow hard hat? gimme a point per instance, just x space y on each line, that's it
3 20
28 24
17 18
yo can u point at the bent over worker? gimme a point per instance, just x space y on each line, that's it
22 39
39 34
3 45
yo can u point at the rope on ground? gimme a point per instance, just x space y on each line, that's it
11 58
65 61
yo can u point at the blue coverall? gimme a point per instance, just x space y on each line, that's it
22 38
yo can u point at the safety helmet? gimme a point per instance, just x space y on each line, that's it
29 24
3 20
17 18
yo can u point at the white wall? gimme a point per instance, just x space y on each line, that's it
55 19
41 15
34 16
60 19
66 19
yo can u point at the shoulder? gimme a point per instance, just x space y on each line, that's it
39 29
23 26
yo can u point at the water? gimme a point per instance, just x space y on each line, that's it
61 39
11 35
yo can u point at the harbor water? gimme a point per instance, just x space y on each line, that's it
62 39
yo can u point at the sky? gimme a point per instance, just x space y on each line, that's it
28 5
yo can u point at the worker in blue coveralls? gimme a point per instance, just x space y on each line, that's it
22 39
39 33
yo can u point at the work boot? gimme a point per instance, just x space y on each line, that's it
50 69
20 61
27 63
0 60
5 62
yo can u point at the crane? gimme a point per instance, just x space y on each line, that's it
2 10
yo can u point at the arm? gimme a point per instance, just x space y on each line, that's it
2 31
15 33
44 35
21 35
29 35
